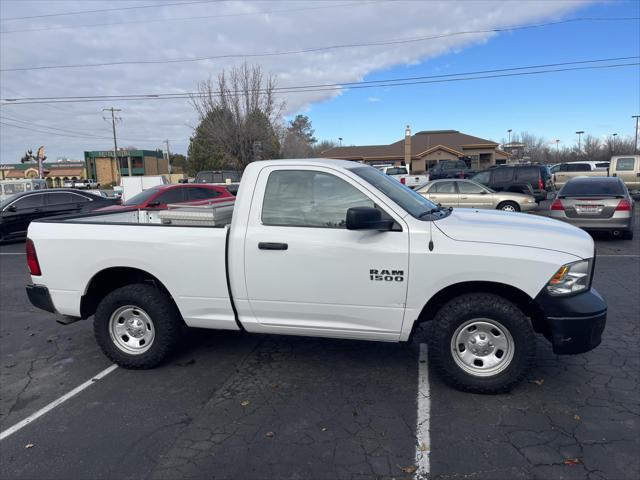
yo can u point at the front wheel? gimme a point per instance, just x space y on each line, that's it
137 326
509 207
482 343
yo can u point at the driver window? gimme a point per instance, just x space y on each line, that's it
468 187
305 198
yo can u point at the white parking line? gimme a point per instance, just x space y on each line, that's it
632 256
11 253
423 447
55 403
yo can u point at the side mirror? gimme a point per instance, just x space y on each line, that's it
367 218
12 208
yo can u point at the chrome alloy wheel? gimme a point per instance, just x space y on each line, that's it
508 208
482 347
131 330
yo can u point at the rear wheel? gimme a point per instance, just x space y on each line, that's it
137 326
482 343
508 206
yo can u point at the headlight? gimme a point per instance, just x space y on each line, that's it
571 278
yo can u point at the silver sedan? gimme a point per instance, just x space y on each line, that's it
469 194
595 203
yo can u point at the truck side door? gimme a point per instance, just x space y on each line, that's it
305 273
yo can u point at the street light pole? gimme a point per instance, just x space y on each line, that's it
613 143
580 141
635 145
557 149
509 131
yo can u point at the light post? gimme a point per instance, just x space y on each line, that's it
557 149
579 133
613 143
635 145
340 140
509 132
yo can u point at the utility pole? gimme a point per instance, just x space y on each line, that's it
115 140
557 149
509 132
613 143
635 145
168 156
579 133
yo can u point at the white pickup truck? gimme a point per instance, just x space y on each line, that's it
403 176
332 249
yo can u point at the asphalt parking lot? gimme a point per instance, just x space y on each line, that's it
233 405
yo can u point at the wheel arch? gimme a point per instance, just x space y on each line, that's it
521 299
112 278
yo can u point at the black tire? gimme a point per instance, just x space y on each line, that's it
466 308
166 325
508 206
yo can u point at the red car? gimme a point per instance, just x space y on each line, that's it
157 198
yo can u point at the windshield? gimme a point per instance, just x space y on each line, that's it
141 197
415 204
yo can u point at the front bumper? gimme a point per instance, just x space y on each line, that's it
39 297
574 324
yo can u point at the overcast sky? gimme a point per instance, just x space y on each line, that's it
377 115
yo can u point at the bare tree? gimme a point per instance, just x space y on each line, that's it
239 116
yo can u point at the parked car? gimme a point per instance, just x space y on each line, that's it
469 194
599 204
68 183
9 188
528 179
627 169
566 171
18 211
85 183
158 197
328 248
450 169
218 176
100 193
402 175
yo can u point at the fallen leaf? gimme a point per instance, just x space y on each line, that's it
571 461
269 434
576 417
423 447
409 469
29 445
539 381
244 403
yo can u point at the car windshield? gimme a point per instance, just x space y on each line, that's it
141 197
415 204
596 188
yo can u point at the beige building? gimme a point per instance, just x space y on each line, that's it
423 150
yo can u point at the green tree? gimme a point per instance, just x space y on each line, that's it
298 141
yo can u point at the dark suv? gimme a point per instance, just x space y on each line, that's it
450 169
530 179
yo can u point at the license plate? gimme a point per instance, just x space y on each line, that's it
588 208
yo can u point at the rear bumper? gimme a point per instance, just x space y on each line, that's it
575 323
596 224
39 297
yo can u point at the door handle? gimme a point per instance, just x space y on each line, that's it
272 246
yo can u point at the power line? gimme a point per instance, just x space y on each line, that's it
336 86
199 17
25 125
80 12
319 49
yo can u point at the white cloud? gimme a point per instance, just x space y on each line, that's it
146 123
373 99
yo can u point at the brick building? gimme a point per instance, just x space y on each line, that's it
422 150
102 166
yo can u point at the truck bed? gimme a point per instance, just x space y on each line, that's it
189 262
